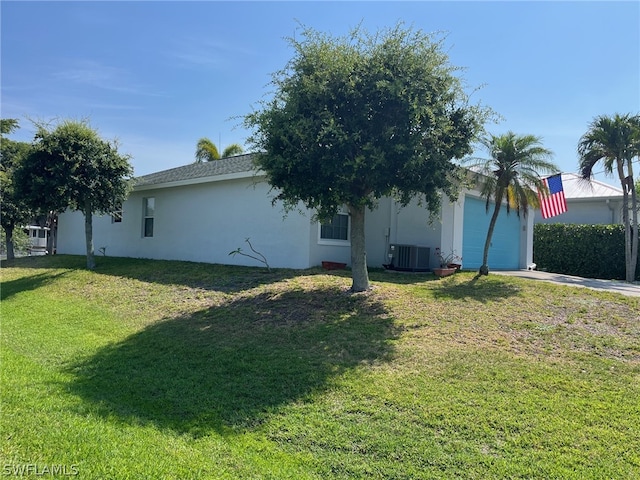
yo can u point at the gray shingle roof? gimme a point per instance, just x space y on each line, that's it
193 171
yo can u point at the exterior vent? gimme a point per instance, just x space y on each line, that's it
412 258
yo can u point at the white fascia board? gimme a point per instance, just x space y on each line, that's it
199 180
594 199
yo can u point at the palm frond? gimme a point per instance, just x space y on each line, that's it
206 151
514 169
231 150
611 141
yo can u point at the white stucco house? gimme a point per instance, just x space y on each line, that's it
200 212
591 203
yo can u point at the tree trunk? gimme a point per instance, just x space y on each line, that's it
484 269
629 272
9 237
88 233
53 232
633 263
359 272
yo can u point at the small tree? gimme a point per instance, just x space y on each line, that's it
13 210
512 173
358 118
70 166
615 142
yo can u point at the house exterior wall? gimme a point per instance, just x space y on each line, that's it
201 223
452 228
415 226
599 211
387 224
384 225
320 251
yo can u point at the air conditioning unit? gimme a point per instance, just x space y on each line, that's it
412 258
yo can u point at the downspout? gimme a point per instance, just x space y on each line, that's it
393 227
613 211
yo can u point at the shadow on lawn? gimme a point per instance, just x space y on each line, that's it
206 276
482 289
23 284
230 367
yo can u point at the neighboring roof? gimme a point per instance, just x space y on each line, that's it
577 188
238 166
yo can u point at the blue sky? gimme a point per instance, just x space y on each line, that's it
160 75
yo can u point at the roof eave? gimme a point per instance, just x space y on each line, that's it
200 180
595 199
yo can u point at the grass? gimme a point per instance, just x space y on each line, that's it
173 370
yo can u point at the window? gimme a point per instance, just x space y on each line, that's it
337 229
116 215
148 211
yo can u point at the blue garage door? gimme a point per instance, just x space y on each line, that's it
504 252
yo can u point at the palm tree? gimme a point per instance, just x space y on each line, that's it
206 151
512 174
231 150
614 142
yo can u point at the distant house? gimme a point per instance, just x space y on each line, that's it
591 203
38 239
200 212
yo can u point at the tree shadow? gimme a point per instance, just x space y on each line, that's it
400 278
205 276
71 262
461 286
227 368
479 288
24 284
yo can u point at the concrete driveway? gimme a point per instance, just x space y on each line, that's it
629 289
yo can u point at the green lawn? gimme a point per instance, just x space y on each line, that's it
173 370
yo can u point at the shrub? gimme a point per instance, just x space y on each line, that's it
21 242
594 251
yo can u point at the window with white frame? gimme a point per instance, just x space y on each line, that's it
337 230
116 215
148 211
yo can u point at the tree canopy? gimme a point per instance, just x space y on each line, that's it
360 117
8 125
13 209
70 166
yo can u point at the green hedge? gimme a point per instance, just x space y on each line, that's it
593 251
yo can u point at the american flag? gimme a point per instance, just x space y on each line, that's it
554 203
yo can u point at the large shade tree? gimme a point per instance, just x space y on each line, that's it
14 211
70 166
206 151
360 117
614 142
511 174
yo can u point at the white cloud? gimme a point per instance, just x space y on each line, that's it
207 53
98 75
